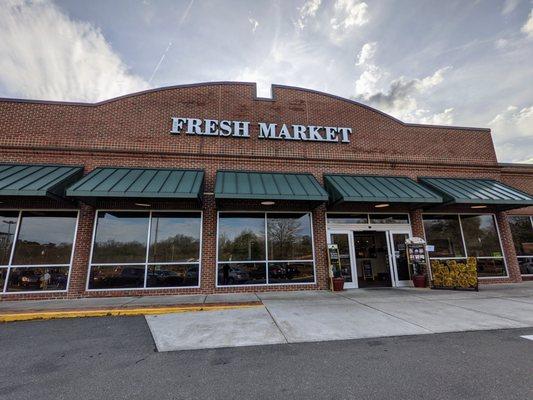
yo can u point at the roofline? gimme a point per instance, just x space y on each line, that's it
517 165
254 85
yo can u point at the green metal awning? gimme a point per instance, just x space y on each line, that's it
478 191
268 186
37 180
139 183
377 189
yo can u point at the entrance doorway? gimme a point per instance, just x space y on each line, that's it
372 257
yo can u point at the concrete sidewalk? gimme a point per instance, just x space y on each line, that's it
310 316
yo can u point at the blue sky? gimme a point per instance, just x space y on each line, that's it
442 62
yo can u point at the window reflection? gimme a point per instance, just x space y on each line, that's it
443 232
289 237
526 265
120 243
37 279
481 236
175 237
491 267
116 276
347 218
172 275
45 238
290 272
8 226
241 274
522 230
389 219
241 237
3 274
120 237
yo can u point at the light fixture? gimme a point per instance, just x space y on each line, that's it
381 205
142 204
479 206
268 203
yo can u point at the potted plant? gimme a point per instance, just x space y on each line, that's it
338 279
419 276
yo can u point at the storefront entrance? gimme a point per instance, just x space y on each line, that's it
373 258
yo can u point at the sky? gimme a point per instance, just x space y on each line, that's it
466 63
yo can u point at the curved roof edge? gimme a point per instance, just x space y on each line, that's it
254 85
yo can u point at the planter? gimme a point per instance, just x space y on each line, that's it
338 284
419 281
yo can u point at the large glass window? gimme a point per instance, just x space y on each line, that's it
258 249
450 234
42 253
444 233
373 218
522 230
145 250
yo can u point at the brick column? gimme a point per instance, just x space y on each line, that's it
508 247
320 243
82 250
417 224
209 245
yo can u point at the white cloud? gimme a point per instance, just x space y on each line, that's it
509 6
347 15
254 23
367 53
44 54
401 98
512 131
527 28
308 10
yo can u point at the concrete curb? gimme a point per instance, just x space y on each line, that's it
107 312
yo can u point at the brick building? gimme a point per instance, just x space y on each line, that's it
206 188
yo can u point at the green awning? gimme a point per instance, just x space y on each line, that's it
268 186
139 183
377 189
478 191
37 180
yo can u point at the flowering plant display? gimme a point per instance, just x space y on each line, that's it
451 274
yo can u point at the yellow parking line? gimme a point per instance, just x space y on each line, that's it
27 316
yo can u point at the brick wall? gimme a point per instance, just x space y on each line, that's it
134 131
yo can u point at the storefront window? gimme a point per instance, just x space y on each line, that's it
389 219
241 237
334 218
444 233
447 233
258 249
120 257
481 236
289 237
120 237
42 250
8 225
522 230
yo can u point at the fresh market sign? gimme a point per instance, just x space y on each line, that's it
213 127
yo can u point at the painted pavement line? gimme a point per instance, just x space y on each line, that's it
528 337
107 312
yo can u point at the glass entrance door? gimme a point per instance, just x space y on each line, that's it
344 241
402 273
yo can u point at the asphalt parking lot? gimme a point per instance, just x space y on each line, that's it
115 357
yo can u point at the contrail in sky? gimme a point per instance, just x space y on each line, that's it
182 20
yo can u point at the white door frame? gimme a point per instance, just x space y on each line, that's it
354 284
389 230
